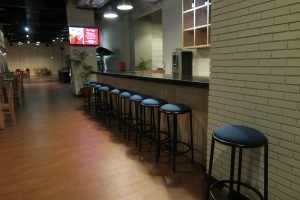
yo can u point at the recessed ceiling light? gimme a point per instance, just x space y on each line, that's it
26 29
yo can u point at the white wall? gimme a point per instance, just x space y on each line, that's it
142 39
255 81
117 36
32 56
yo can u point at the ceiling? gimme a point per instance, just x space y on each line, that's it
45 19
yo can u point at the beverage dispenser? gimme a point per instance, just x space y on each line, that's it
182 62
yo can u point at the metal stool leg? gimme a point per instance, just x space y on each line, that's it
210 167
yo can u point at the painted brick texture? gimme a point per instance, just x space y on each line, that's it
254 81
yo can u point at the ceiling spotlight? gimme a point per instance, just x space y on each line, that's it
124 5
53 40
28 42
110 13
27 35
26 29
57 38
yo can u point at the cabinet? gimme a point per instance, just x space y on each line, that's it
196 23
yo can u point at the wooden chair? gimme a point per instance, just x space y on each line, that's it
28 72
48 71
7 100
17 88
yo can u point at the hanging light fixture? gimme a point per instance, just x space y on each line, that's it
110 13
124 5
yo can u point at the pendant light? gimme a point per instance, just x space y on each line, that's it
124 5
110 13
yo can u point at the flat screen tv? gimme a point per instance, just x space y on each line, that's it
84 36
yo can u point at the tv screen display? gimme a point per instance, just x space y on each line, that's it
84 36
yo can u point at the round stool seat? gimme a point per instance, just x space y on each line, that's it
175 108
106 88
98 86
89 82
240 135
93 84
118 91
139 97
154 102
127 94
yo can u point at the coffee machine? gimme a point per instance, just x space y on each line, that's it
182 62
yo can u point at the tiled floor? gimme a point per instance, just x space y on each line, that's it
58 151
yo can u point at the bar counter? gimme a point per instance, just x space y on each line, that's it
191 81
189 90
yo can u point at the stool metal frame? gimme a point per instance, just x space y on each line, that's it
173 150
115 99
231 181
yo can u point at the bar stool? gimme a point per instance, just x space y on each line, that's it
115 106
103 101
237 136
137 99
125 116
87 97
174 110
151 103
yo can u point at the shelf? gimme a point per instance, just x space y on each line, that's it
200 3
188 20
201 36
196 23
201 16
188 38
187 5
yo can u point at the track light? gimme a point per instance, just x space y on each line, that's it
124 5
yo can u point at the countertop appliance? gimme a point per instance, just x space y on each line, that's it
182 62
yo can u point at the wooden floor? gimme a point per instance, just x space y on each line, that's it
58 151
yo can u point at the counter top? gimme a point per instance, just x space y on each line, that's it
190 81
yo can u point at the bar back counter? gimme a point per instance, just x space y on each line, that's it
189 90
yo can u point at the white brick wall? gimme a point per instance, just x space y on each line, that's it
255 81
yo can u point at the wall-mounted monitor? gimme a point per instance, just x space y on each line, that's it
84 36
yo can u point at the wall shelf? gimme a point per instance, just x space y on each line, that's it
196 23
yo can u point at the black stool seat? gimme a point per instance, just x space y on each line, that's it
115 105
151 134
118 91
241 136
138 117
154 102
125 116
238 136
104 101
170 146
175 108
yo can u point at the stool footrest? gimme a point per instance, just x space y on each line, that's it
169 149
150 138
235 193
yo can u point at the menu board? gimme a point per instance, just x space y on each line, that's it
84 36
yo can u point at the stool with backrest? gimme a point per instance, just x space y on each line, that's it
7 100
170 146
137 117
124 110
237 137
115 106
150 133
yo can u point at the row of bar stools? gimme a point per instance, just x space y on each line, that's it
115 105
104 101
125 114
241 137
171 146
151 133
139 123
